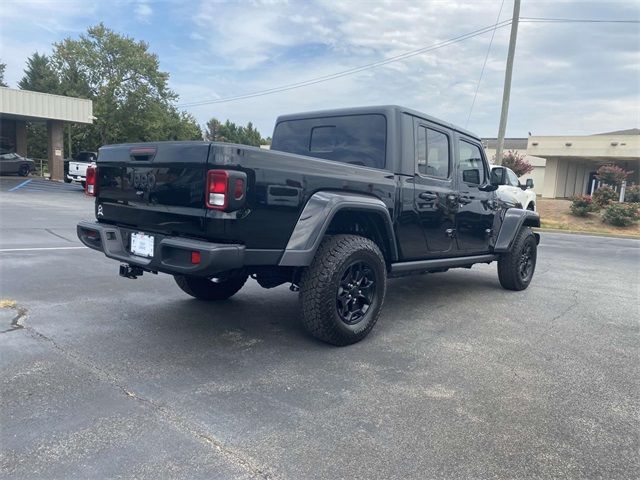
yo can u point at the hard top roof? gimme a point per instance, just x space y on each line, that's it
381 109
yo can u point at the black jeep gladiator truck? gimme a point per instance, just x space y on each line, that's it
343 200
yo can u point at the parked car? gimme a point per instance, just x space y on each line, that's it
362 194
12 163
77 169
511 190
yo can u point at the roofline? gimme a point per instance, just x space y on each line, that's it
66 97
380 109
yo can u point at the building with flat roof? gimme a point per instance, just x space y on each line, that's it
566 165
17 107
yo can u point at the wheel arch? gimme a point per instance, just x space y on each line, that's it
339 212
514 219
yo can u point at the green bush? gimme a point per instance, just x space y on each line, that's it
621 214
602 196
581 205
632 194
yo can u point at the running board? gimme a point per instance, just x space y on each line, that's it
404 268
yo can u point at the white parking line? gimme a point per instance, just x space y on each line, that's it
38 249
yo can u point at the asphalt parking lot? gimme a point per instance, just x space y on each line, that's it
107 377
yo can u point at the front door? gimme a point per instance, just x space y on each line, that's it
476 208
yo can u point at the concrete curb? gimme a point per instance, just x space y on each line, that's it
592 234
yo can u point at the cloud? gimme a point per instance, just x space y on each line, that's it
143 11
568 78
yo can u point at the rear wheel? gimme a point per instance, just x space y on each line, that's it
342 291
216 288
24 170
516 267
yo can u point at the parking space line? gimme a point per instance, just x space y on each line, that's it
38 249
20 185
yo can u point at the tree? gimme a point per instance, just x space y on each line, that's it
39 76
612 174
131 97
3 66
516 162
232 133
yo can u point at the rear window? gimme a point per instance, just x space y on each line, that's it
353 139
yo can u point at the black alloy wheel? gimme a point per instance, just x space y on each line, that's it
356 292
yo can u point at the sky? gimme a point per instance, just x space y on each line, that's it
569 79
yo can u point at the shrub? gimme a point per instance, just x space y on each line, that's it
581 205
612 174
517 163
621 214
602 196
632 194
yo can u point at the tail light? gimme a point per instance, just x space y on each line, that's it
91 181
225 189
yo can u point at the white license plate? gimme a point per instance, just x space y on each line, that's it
142 245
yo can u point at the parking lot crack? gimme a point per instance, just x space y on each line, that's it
166 414
573 304
58 235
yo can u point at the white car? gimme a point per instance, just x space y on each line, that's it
511 190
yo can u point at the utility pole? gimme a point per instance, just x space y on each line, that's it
507 81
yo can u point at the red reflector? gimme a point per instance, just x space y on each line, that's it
91 181
195 257
238 189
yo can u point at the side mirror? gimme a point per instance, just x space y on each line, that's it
487 187
498 175
529 183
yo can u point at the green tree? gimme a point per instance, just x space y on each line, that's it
39 76
3 66
232 133
131 97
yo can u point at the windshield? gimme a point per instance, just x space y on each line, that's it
353 139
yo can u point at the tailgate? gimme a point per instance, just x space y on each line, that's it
155 187
78 168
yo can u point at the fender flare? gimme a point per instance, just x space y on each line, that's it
316 218
514 219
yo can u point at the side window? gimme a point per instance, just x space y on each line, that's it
433 153
513 180
470 165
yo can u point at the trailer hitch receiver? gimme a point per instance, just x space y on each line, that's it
130 271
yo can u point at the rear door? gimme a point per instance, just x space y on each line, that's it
154 187
433 192
476 208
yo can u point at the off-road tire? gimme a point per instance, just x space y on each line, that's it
202 288
510 264
320 283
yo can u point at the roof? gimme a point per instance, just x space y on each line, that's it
509 143
28 105
630 131
387 110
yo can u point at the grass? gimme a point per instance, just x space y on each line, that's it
555 214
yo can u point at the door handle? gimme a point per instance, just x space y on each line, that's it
428 196
464 200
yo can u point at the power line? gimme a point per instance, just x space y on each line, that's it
353 70
572 20
403 56
484 64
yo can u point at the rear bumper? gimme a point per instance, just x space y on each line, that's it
171 254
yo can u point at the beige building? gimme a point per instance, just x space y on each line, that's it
565 166
17 107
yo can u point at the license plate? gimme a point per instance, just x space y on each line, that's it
142 245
